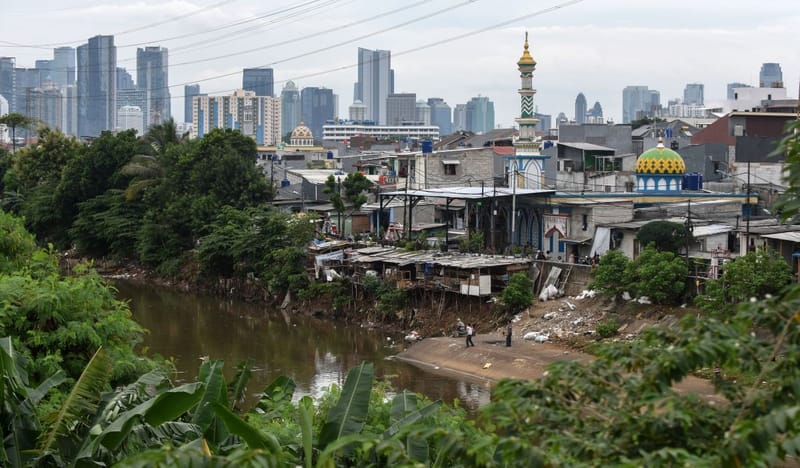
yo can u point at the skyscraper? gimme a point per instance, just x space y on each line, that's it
25 79
152 75
189 92
459 118
375 82
45 68
291 111
259 80
595 114
580 109
97 86
638 102
7 65
480 114
64 66
317 107
441 115
693 94
770 76
124 79
401 107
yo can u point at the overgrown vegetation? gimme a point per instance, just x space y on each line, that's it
607 328
665 236
661 276
518 294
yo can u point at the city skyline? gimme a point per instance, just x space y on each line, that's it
586 46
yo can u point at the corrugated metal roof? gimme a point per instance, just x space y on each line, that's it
586 146
402 257
469 193
793 236
711 229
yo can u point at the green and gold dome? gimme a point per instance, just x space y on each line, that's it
660 160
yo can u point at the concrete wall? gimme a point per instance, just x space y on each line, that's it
613 136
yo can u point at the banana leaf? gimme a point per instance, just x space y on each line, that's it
348 415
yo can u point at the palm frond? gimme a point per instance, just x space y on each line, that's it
81 402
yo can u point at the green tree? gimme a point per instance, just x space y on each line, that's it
13 121
354 187
661 276
609 277
518 294
753 275
665 235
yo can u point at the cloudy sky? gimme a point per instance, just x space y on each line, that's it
454 49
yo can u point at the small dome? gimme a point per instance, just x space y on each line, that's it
301 132
660 160
422 104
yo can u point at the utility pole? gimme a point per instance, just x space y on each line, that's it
513 179
689 229
749 207
494 208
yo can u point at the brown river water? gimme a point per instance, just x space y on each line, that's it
315 353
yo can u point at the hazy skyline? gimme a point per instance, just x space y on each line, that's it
592 46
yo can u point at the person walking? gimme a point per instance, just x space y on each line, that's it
509 329
470 331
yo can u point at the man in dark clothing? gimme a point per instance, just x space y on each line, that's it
509 328
470 331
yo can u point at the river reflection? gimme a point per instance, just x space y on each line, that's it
314 353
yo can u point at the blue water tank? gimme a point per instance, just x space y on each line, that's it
692 181
285 183
330 155
427 146
548 144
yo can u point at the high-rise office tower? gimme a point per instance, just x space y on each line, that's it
152 75
7 66
97 86
480 114
595 114
3 106
441 115
770 76
580 109
636 102
24 80
357 111
124 79
259 80
375 82
291 112
693 94
45 105
189 92
64 66
317 107
544 124
459 118
45 68
423 113
69 116
732 89
400 108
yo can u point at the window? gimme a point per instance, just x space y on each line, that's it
450 169
584 222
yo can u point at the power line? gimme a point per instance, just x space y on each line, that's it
429 45
138 28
